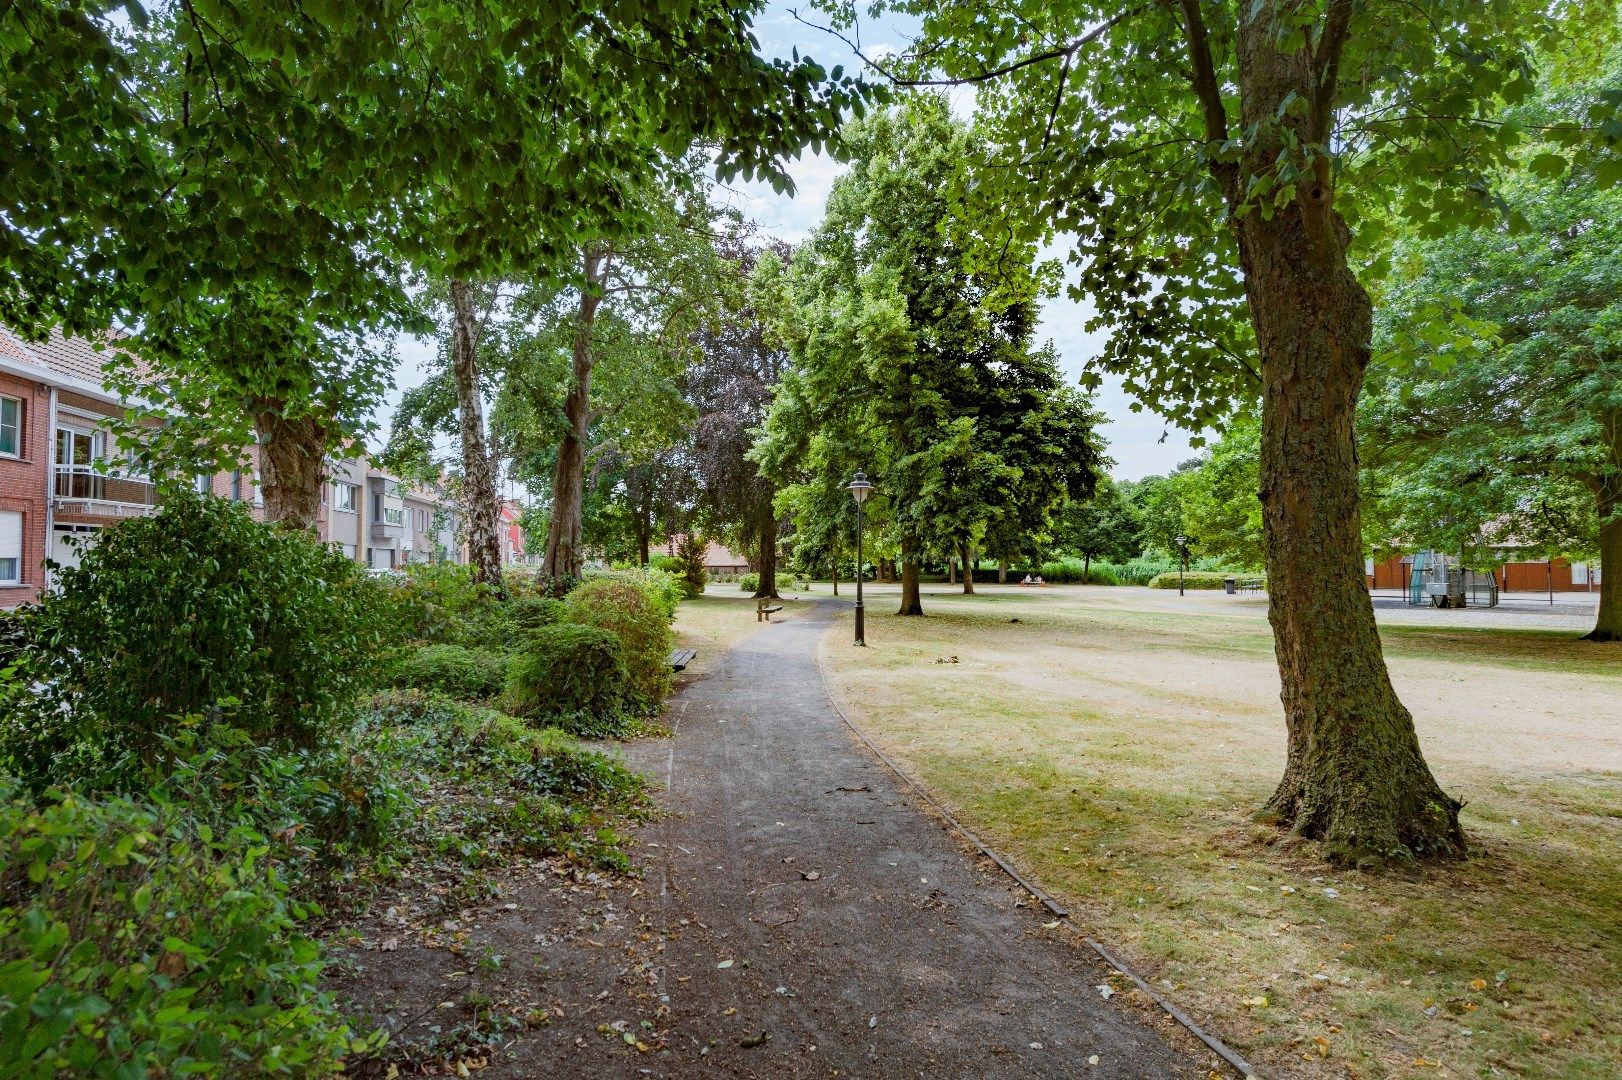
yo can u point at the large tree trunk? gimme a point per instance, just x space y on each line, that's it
833 562
966 553
292 463
951 570
1355 777
565 554
479 492
911 600
767 581
1002 571
1608 626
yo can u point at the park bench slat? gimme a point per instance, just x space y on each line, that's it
680 658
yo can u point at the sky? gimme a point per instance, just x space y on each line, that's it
1140 444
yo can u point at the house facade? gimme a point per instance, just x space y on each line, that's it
63 479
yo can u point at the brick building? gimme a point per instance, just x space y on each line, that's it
62 478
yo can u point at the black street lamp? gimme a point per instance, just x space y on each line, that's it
860 489
1182 564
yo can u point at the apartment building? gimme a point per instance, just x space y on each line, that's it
63 479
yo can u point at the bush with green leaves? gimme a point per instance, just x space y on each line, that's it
513 788
690 566
638 613
470 674
198 610
670 564
573 677
137 940
749 582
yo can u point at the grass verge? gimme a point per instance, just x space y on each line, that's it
1116 755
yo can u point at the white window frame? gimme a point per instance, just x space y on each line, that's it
16 450
11 533
343 505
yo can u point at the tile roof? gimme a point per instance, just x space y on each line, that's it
75 357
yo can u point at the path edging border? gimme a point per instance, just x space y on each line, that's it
1221 1049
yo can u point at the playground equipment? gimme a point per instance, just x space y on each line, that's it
1444 583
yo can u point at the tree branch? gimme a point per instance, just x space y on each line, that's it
1204 79
1065 51
1326 68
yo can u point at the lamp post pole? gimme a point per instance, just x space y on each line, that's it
859 489
1182 561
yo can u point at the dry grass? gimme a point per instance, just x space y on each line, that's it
1116 748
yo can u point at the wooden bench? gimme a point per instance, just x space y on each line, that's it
1252 584
764 609
680 658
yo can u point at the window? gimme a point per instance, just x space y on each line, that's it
344 497
11 547
236 485
11 426
204 483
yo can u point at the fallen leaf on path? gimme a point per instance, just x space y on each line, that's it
724 964
1092 1059
1257 1002
754 1040
812 875
872 1021
1105 992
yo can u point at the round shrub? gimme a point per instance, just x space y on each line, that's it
572 677
472 674
637 615
200 610
749 582
528 613
670 564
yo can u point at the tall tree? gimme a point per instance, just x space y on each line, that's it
319 152
1491 435
1223 170
730 387
1101 526
892 330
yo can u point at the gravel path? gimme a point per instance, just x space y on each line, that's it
816 921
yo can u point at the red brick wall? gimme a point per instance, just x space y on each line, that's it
23 485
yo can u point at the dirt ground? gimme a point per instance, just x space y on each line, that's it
1115 741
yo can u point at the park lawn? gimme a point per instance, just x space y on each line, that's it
1117 754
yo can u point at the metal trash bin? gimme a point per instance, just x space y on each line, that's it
1230 585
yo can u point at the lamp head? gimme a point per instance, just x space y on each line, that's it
860 489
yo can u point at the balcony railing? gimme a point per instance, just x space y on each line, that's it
392 516
102 488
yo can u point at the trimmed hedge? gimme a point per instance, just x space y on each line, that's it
1199 579
573 677
470 674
